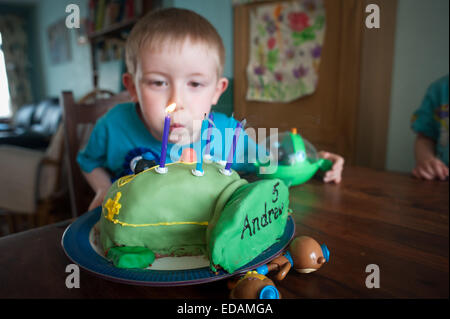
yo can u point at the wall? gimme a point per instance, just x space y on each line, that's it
75 75
421 56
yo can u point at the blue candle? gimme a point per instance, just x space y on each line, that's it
233 148
208 140
199 166
169 109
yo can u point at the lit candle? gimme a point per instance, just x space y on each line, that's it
199 167
237 131
208 139
162 162
223 161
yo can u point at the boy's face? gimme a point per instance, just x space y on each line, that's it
186 75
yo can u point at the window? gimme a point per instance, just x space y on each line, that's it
5 102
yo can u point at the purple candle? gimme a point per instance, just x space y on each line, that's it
169 109
233 149
208 139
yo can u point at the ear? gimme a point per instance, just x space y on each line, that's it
128 82
222 85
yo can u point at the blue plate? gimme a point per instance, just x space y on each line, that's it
78 248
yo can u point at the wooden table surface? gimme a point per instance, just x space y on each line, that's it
388 219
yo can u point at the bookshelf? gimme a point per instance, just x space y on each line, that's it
110 21
113 29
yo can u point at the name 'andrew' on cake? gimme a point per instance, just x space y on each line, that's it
253 219
265 219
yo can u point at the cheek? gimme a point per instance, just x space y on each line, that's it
151 106
152 115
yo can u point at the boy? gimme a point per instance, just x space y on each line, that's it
172 56
430 122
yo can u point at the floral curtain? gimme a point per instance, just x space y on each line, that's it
14 46
286 40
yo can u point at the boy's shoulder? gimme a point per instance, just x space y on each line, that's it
119 112
122 109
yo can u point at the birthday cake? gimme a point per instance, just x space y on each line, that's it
150 215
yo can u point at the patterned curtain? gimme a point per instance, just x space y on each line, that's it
286 40
14 48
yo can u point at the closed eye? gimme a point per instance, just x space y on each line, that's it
159 83
195 84
156 83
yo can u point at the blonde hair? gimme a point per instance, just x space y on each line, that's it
172 26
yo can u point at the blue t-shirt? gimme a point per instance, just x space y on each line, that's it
431 119
120 136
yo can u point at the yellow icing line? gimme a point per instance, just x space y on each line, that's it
116 221
124 180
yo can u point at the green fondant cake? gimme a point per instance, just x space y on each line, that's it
177 214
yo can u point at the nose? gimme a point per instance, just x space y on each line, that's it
176 96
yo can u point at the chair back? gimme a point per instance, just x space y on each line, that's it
77 118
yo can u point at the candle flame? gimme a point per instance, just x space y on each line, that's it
170 108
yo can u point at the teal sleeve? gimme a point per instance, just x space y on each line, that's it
93 154
423 120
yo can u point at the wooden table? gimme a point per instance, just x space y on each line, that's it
391 220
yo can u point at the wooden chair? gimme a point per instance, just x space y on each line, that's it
78 121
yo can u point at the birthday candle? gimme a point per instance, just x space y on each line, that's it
233 149
200 157
169 109
224 144
208 139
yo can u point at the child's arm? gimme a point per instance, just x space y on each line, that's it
100 182
428 166
335 173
